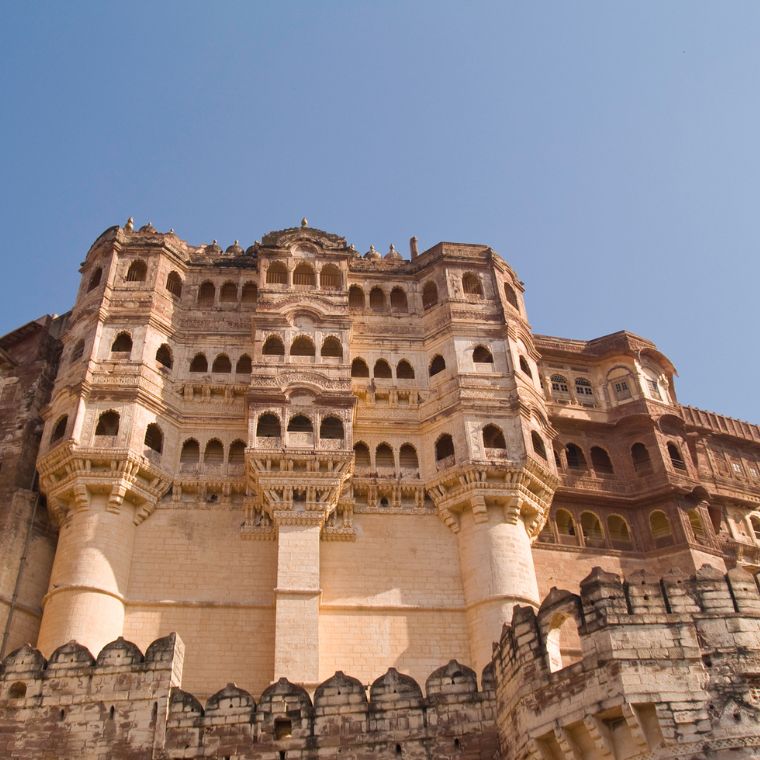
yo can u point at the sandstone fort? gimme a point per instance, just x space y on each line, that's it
296 501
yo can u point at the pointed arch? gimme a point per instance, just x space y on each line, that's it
384 457
174 283
481 355
444 447
377 299
122 343
331 428
493 437
437 365
359 368
199 363
108 423
191 452
355 297
59 429
236 454
332 348
268 426
273 346
243 366
576 460
302 346
407 457
361 454
382 369
399 302
137 272
300 423
228 293
206 294
164 356
222 365
404 370
429 295
600 461
154 437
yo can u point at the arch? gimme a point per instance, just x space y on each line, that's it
620 534
273 346
214 452
206 294
652 384
429 295
303 345
399 302
591 528
559 385
697 525
754 522
108 423
511 296
164 356
236 454
538 444
561 628
17 690
600 461
268 426
481 355
191 452
376 299
304 276
137 272
407 457
277 273
95 279
122 343
199 363
584 391
576 460
332 348
355 297
471 285
384 457
640 457
566 531
359 368
154 437
330 277
243 366
525 367
437 365
250 293
660 528
228 293
444 447
174 283
331 429
493 437
404 370
222 364
59 429
78 351
361 454
675 456
300 423
382 369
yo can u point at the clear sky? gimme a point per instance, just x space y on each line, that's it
608 150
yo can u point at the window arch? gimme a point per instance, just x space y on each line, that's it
164 356
277 273
191 452
331 429
137 271
94 279
384 457
429 295
399 301
471 285
108 423
600 461
222 364
355 297
122 343
754 522
659 527
59 430
584 390
361 454
481 355
376 299
174 284
408 457
78 351
199 363
302 346
236 453
243 366
273 346
228 293
591 527
620 535
154 437
437 365
206 294
697 525
493 437
268 426
640 458
332 348
329 277
300 423
382 369
359 368
675 457
214 453
404 370
250 293
566 528
444 447
559 385
525 367
303 276
575 457
511 296
538 444
652 384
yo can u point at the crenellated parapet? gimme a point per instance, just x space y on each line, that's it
668 668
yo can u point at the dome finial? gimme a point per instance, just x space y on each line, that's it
304 222
130 225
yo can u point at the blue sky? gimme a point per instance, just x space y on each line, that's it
609 151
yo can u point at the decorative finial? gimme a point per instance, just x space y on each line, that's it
130 225
393 248
171 230
237 242
213 242
304 222
372 249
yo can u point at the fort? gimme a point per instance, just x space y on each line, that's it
349 487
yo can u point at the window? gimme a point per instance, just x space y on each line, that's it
191 452
600 461
481 355
640 458
697 526
566 526
154 437
444 447
17 690
329 277
652 385
583 390
384 457
355 297
675 457
659 527
304 277
277 274
359 368
538 444
737 468
137 271
620 536
214 454
559 384
222 364
622 391
273 346
164 356
250 293
300 424
94 279
206 294
174 284
59 430
122 344
108 423
437 365
331 429
575 458
302 346
404 370
376 299
237 452
511 296
493 438
243 366
755 523
382 369
429 295
398 300
228 293
332 348
78 351
361 455
268 426
199 363
408 457
591 528
471 285
525 367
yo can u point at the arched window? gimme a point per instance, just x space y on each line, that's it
659 526
78 351
566 528
361 454
243 366
303 276
429 295
329 277
444 447
164 356
398 300
174 284
277 273
214 453
382 369
302 346
481 355
620 536
404 370
250 293
525 367
359 368
236 454
562 642
675 457
471 285
591 527
331 429
17 690
137 271
355 297
332 348
191 452
376 299
538 444
575 458
228 293
384 457
600 461
59 430
493 438
94 279
559 385
154 437
268 426
437 365
206 294
697 526
122 343
640 458
199 363
583 390
300 424
754 521
273 346
511 296
108 423
222 364
408 457
652 385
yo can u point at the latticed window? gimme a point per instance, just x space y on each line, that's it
174 284
277 274
622 391
303 276
137 271
559 384
583 389
329 277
